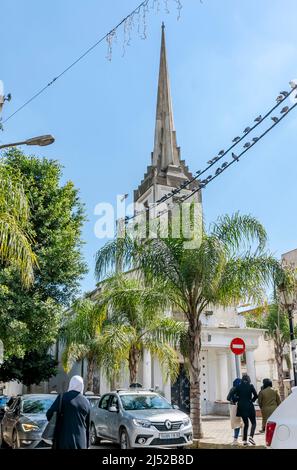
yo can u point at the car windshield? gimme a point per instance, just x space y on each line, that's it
144 402
94 401
37 405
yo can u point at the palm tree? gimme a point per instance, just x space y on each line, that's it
137 323
15 242
82 334
274 320
229 264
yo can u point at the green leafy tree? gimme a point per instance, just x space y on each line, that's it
30 318
15 238
227 265
34 368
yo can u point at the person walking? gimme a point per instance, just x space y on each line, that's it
246 396
268 400
236 422
73 421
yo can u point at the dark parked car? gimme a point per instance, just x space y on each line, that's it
24 421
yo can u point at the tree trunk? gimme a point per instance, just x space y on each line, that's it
194 335
90 374
278 353
134 356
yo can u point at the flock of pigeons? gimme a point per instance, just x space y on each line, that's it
202 183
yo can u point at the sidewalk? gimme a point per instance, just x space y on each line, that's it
219 435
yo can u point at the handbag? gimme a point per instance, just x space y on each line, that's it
49 431
236 421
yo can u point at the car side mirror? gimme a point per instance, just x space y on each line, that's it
175 407
113 409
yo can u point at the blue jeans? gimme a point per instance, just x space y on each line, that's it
236 433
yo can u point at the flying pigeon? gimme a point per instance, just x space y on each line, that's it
247 145
285 93
285 110
258 119
275 119
235 157
246 130
221 152
236 139
255 139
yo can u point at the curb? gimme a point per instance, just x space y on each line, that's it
213 445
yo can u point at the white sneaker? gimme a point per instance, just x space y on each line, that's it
251 441
235 442
245 443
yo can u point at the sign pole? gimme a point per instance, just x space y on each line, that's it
237 365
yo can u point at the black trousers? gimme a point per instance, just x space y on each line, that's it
245 420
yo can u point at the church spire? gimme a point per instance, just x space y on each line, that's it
165 151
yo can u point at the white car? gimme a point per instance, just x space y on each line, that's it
281 428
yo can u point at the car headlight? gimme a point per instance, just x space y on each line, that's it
143 423
29 427
186 421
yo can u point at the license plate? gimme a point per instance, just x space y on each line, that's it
170 435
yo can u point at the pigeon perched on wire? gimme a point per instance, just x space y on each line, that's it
275 119
235 157
246 130
258 119
216 159
221 152
236 139
247 145
280 98
218 171
224 165
285 93
285 110
210 162
198 172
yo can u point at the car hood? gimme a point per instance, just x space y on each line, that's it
158 415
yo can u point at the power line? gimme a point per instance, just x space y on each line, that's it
284 95
143 6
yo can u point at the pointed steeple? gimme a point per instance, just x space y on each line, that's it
165 151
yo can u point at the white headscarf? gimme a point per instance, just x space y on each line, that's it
76 384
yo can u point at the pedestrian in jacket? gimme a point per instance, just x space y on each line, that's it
73 423
236 422
268 400
246 396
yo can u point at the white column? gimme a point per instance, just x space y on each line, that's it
147 369
223 375
250 366
232 363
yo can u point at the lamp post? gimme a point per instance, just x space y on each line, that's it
41 140
288 301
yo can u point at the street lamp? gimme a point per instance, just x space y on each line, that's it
41 140
288 301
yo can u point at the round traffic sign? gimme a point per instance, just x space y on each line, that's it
237 346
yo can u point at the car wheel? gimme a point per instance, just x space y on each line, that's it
15 440
94 440
124 440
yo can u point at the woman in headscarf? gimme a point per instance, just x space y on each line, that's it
268 400
73 422
236 422
246 396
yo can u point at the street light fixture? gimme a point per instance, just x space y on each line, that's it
41 140
288 301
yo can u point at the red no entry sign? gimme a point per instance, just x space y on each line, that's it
237 346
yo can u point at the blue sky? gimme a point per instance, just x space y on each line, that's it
228 61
